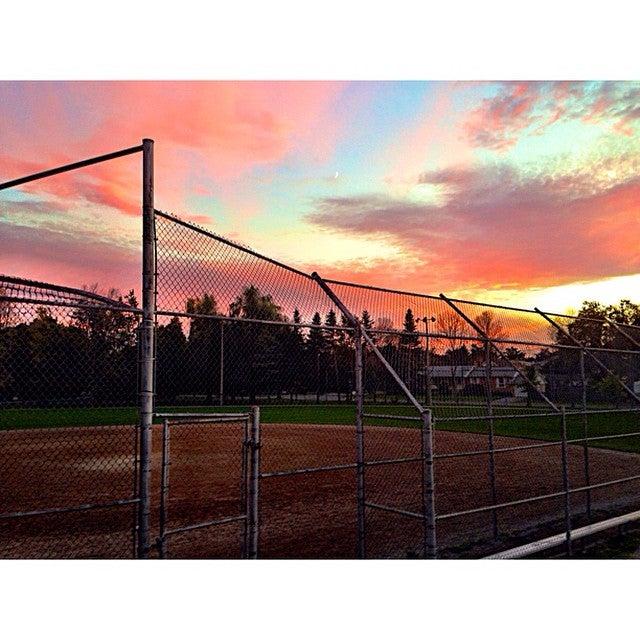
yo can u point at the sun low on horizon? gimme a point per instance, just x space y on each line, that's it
525 193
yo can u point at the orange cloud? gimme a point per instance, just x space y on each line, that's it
57 255
215 131
497 228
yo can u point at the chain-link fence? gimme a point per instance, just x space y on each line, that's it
393 424
68 440
208 479
535 413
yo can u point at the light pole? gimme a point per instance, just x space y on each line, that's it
427 359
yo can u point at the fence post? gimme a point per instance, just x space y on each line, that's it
428 487
361 549
147 349
565 481
428 400
254 494
585 432
164 488
492 458
244 487
221 388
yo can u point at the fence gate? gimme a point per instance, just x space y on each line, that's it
208 484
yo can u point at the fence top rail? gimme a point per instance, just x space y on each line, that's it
70 167
71 305
390 416
491 305
47 288
204 416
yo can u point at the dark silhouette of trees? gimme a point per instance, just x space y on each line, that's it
88 356
293 355
256 356
591 329
172 350
112 351
62 357
513 353
409 328
203 347
315 349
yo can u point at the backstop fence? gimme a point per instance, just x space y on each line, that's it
391 424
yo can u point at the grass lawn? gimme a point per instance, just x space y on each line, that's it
543 428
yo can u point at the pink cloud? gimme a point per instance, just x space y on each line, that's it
521 107
54 255
225 129
496 123
498 228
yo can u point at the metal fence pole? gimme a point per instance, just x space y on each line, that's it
147 340
565 481
492 459
427 358
427 361
361 548
428 487
164 488
244 483
585 432
254 470
221 388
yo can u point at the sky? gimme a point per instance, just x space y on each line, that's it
525 193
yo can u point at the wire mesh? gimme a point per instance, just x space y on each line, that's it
67 435
494 377
203 511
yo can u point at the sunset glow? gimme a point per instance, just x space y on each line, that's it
523 192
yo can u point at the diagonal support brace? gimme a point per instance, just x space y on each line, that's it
499 351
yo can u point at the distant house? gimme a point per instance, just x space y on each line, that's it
466 378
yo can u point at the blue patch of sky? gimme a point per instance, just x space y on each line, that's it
370 116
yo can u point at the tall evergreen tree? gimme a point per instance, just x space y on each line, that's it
409 327
294 357
332 372
367 321
171 356
315 349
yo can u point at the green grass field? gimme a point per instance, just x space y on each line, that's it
543 428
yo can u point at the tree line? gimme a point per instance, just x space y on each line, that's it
88 356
